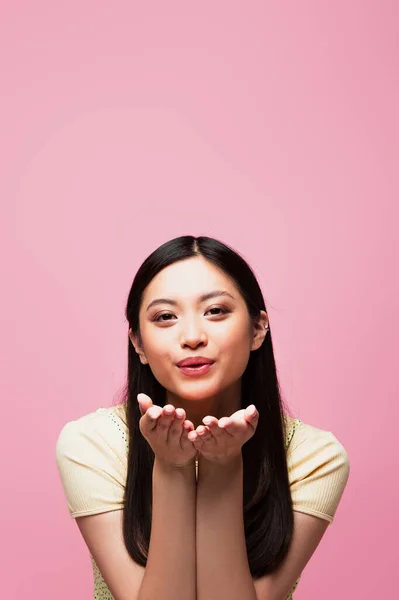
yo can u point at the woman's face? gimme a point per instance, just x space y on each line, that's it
218 328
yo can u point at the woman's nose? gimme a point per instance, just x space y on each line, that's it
193 334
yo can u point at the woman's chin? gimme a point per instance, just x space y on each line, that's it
196 393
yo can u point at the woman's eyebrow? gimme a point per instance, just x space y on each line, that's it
202 298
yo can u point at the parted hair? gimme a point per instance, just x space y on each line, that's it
267 504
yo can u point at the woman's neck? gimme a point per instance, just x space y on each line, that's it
220 405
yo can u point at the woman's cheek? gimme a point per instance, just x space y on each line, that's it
160 363
159 371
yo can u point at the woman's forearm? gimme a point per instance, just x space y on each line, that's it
170 572
222 564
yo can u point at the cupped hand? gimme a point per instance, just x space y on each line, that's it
220 440
166 429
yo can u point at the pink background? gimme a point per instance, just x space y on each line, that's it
271 126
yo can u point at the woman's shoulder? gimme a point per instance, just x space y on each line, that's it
315 452
311 447
318 470
105 426
310 437
91 456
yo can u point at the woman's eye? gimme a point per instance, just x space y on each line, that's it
160 319
163 315
224 311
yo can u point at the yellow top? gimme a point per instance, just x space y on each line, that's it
91 456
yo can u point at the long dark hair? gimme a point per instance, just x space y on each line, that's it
268 513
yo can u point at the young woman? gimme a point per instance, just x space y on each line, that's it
199 485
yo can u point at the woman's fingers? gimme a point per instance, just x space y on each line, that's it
235 425
173 438
213 424
251 415
159 418
230 426
166 430
210 422
184 440
144 402
200 436
165 421
220 438
149 420
176 427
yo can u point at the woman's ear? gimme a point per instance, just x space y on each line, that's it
259 330
135 341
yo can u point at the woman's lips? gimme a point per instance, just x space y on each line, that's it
196 371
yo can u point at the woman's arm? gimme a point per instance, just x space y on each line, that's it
170 573
222 564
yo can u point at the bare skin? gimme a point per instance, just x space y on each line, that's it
176 443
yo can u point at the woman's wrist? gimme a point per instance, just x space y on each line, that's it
166 468
221 463
221 470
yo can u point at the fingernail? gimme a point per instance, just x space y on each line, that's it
150 413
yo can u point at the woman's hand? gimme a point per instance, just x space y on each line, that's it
221 440
166 430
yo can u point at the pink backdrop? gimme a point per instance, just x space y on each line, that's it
272 126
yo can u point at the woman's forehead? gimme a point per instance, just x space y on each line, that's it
189 279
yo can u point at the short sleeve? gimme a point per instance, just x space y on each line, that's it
92 472
318 470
